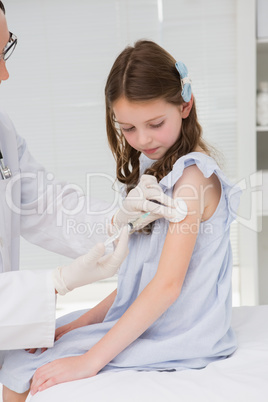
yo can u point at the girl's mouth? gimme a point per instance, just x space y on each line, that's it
150 151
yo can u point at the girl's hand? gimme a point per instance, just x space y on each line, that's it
33 350
61 370
66 328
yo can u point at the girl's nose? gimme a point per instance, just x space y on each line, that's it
3 71
144 138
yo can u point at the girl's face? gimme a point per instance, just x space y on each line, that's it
150 127
4 38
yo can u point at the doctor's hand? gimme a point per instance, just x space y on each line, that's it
92 266
141 200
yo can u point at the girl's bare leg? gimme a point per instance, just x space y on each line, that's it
12 396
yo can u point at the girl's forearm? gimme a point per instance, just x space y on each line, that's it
146 309
98 313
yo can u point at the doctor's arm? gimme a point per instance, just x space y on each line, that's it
153 301
52 211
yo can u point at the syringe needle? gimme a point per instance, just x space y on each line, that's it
131 228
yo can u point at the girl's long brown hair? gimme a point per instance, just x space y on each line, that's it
143 73
2 7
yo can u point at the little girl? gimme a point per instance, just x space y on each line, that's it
172 308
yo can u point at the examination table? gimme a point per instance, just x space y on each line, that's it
243 377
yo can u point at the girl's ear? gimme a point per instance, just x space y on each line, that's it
186 108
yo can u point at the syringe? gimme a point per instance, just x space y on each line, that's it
131 228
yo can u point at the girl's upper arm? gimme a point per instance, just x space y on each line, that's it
181 237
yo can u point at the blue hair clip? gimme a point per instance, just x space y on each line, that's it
186 88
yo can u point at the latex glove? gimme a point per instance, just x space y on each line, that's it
92 266
139 201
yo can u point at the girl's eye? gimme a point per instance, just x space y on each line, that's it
127 130
157 125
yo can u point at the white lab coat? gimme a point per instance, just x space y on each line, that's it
29 208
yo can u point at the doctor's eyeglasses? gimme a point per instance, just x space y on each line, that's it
9 48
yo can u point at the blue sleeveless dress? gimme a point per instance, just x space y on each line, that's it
194 331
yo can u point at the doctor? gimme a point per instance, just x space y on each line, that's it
29 208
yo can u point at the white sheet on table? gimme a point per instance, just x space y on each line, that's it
242 377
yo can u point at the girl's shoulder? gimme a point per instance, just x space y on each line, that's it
202 193
198 171
206 191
